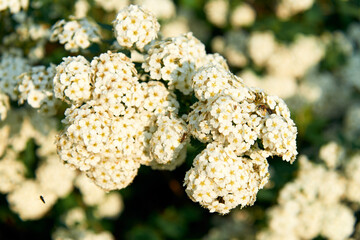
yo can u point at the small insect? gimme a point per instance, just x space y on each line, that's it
220 199
264 109
183 137
42 199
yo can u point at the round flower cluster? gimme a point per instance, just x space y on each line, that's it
242 125
311 206
72 81
36 87
239 117
32 188
4 105
14 5
55 177
135 26
175 60
75 34
11 66
109 136
217 11
242 15
220 180
332 155
261 46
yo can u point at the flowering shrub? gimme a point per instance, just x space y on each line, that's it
159 107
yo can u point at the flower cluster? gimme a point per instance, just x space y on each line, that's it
14 5
36 87
284 63
243 126
75 34
311 206
72 82
217 11
243 15
117 122
12 65
235 115
175 60
52 180
109 136
135 26
220 180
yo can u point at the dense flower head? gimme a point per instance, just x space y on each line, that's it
238 117
91 144
36 87
114 73
73 80
135 26
75 34
108 137
12 64
175 60
220 180
215 59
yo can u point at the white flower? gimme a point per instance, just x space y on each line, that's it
75 34
135 26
